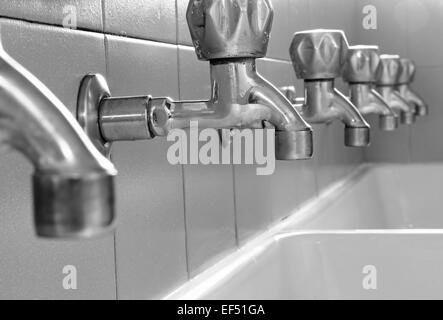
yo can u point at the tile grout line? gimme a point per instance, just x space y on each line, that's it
106 48
234 193
174 43
188 268
188 271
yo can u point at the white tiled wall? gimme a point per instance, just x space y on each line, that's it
173 220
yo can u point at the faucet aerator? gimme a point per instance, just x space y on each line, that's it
388 122
407 118
293 145
357 136
422 111
79 206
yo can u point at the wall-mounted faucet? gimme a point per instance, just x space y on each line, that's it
318 57
387 82
361 71
72 182
231 35
404 80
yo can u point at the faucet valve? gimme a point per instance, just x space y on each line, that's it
223 29
391 70
405 79
362 64
361 70
318 54
318 57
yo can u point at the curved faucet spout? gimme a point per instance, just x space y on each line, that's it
369 101
73 182
324 103
293 134
357 129
406 92
283 116
403 109
348 113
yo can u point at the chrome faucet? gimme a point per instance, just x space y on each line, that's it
386 84
361 70
231 35
404 80
72 183
318 57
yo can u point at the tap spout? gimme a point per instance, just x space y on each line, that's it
72 182
410 95
324 103
401 106
369 101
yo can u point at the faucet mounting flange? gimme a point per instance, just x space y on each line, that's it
93 89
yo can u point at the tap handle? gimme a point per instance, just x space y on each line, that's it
222 29
362 64
390 70
407 71
318 54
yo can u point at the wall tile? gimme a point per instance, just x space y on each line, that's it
329 153
425 27
88 12
183 35
253 201
388 146
31 268
263 200
332 14
426 143
298 13
152 20
391 32
150 239
209 194
280 34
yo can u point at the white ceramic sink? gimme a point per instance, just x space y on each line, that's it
380 197
329 265
378 235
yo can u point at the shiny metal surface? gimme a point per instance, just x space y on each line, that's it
93 89
405 79
362 64
318 56
241 98
124 118
36 123
402 107
369 101
362 69
222 29
386 84
324 103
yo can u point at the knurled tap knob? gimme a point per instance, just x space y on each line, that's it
390 69
318 54
222 29
407 71
362 64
